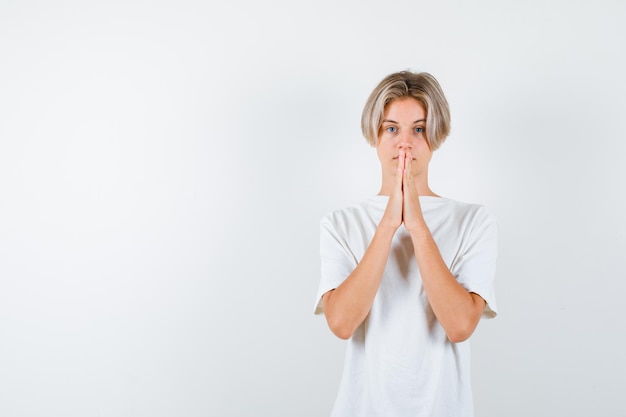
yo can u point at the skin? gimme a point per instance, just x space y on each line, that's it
404 155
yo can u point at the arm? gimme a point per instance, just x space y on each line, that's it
349 304
457 310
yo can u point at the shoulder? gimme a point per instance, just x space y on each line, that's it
470 219
471 211
354 213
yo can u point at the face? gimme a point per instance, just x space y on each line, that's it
403 128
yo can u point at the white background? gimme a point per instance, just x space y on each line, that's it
164 166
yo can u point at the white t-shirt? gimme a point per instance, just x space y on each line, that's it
399 362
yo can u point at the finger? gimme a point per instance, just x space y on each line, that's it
407 160
407 166
401 158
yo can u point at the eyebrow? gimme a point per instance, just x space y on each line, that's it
393 121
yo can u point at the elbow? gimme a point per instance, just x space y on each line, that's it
458 337
462 328
340 329
461 332
339 323
344 335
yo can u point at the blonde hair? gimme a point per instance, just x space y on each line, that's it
421 86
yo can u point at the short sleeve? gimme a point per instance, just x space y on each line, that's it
476 267
337 261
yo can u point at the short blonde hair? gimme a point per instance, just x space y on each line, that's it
421 86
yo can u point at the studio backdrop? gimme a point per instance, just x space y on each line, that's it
164 167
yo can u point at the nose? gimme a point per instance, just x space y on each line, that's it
405 142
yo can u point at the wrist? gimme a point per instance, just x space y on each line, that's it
417 227
386 230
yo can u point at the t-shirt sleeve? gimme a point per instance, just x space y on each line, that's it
476 268
337 261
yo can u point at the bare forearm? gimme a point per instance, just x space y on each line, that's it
349 304
457 310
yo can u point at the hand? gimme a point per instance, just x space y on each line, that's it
411 209
392 217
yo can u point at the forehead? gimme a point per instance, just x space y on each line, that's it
404 107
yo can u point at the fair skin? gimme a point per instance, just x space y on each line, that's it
404 155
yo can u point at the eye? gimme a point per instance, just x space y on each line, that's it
419 129
391 129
